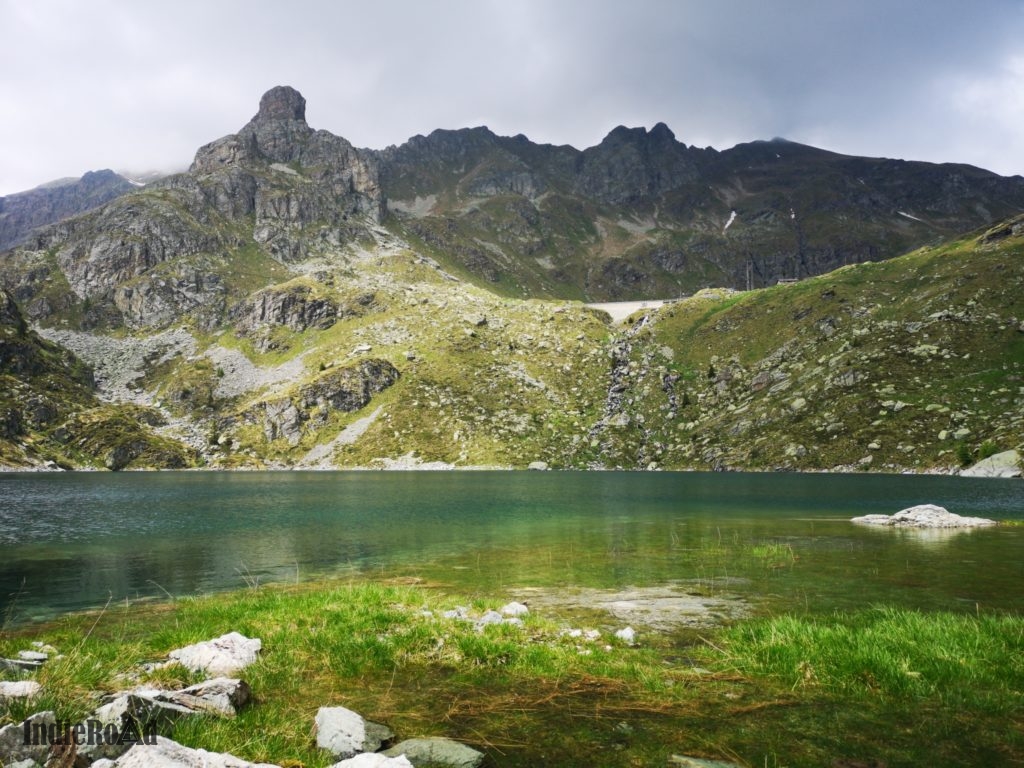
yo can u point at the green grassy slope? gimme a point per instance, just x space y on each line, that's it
917 362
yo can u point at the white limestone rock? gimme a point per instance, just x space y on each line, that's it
222 657
21 689
169 754
627 635
924 516
515 609
345 733
375 760
1005 464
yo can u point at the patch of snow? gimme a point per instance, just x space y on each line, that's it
909 216
792 214
732 218
620 310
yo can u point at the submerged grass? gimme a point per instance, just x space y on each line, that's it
779 691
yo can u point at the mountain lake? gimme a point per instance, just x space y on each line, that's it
774 542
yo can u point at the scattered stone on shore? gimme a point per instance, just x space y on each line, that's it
22 689
20 665
223 656
1005 464
374 760
514 609
37 656
539 466
13 748
627 635
169 754
924 516
221 696
345 733
437 751
491 617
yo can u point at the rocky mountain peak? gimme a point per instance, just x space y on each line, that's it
282 103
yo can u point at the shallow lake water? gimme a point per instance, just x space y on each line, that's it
779 541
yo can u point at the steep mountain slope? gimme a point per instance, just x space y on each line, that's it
916 362
643 215
277 192
22 212
265 310
49 412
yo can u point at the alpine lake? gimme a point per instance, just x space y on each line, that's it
679 557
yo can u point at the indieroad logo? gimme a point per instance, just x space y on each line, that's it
91 732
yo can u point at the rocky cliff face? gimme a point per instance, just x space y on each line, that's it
644 215
276 189
50 415
23 212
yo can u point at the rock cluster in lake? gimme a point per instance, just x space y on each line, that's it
924 516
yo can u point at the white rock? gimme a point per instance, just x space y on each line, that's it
374 760
12 740
924 516
22 689
1005 464
515 609
345 733
169 754
222 656
33 656
539 466
491 617
627 635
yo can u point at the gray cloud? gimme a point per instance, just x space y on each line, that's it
141 84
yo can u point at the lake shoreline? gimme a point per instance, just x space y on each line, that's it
807 689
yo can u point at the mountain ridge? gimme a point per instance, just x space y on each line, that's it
294 301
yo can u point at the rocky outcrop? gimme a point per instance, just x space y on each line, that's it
632 165
304 187
22 212
1005 464
924 516
344 389
297 307
12 740
156 255
19 689
349 388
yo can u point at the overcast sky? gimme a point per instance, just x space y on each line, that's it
141 84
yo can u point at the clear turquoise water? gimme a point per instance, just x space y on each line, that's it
73 541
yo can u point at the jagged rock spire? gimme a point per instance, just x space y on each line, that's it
282 103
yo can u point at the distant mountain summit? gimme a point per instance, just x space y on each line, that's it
22 212
640 215
294 301
643 215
